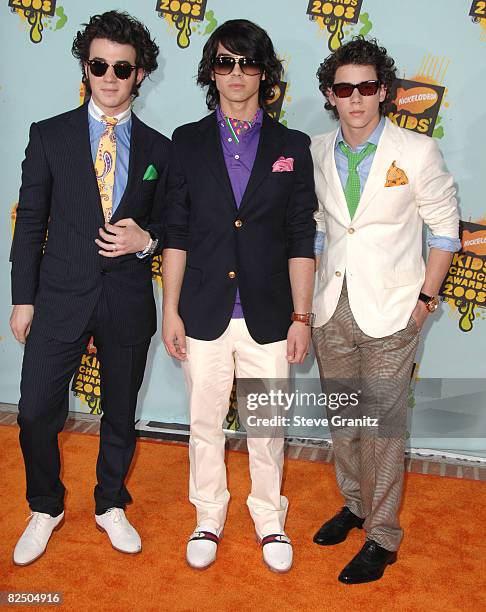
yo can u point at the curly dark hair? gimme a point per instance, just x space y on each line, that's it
120 28
364 52
240 37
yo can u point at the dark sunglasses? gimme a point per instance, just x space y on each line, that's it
225 64
366 88
123 70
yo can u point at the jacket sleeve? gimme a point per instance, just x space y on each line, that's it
31 220
177 202
301 227
435 193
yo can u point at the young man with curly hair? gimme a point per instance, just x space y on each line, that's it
238 274
377 184
88 220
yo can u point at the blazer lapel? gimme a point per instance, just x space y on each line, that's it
136 166
212 154
388 150
331 176
269 149
82 158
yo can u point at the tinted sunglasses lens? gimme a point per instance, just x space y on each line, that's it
368 89
122 71
342 90
251 67
98 69
223 65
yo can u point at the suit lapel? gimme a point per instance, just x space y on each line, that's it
331 176
79 128
82 158
388 150
136 166
212 154
269 149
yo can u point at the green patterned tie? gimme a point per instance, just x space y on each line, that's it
352 191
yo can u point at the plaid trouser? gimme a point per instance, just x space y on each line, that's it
369 461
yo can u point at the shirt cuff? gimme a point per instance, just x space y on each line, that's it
444 243
319 242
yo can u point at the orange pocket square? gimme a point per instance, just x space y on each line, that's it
395 176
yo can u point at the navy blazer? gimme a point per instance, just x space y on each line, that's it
64 276
249 247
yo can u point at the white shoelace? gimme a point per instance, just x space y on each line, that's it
117 515
36 519
119 520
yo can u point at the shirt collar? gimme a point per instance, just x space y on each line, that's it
373 138
96 113
256 120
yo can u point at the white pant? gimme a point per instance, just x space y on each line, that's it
209 370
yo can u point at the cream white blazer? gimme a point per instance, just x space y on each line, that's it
380 250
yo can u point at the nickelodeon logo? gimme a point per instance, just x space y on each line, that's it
474 242
416 100
416 105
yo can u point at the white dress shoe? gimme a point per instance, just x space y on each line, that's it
33 542
122 534
277 552
202 547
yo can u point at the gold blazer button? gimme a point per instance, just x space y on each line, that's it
232 274
238 223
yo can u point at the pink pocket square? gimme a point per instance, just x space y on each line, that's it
283 164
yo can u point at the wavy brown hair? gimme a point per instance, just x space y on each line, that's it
120 28
364 52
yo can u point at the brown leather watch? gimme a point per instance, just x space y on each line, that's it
431 301
307 318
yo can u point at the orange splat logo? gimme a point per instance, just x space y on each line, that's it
416 100
474 242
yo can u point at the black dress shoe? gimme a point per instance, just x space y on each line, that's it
336 529
368 565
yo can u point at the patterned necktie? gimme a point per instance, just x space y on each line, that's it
105 165
352 191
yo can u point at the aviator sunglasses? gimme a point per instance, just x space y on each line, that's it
224 64
345 90
122 70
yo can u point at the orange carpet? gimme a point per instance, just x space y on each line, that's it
440 567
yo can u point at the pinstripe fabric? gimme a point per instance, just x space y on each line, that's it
369 462
59 195
47 369
77 293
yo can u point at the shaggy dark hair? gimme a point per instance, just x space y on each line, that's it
240 37
120 28
364 53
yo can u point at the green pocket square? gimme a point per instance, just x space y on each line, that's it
151 173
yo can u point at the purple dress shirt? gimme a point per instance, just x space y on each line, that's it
239 159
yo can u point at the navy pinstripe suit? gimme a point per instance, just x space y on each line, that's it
77 293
